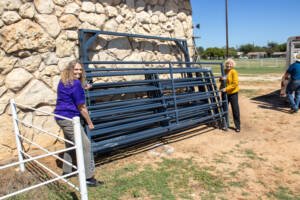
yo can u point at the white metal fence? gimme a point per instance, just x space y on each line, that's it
25 157
261 62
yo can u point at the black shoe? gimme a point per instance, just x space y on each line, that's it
224 129
237 130
293 111
92 182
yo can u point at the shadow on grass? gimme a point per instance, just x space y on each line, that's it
147 145
272 101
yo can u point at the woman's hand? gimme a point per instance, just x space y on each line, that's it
87 86
91 126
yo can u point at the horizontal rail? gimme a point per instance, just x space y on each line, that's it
35 158
44 131
135 124
41 111
124 110
130 119
137 72
130 35
146 62
146 82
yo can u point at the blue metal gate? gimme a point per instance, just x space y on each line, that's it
149 102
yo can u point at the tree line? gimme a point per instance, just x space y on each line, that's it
220 53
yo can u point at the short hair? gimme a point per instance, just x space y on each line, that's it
228 61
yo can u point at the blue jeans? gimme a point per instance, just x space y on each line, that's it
294 87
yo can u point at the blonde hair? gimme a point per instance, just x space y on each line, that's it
228 61
67 75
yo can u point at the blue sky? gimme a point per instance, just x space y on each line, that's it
249 21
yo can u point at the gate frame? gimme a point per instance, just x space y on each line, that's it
21 153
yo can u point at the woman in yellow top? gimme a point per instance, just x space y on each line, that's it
232 89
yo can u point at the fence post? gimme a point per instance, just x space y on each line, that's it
17 133
80 158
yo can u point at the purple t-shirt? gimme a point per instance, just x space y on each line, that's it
69 97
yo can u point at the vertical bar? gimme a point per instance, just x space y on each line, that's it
80 158
17 133
224 97
226 13
174 92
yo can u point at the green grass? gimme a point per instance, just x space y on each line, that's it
249 153
253 66
169 180
259 70
283 193
239 184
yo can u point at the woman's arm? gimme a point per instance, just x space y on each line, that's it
84 112
233 83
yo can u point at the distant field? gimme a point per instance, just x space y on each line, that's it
253 66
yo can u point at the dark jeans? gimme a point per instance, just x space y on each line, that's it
233 100
293 93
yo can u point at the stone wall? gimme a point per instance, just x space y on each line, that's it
38 38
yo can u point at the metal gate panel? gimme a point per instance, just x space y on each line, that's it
149 102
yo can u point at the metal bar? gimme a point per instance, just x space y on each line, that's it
49 133
125 102
116 111
129 35
135 124
35 158
140 72
126 120
41 111
52 172
45 150
80 158
224 97
173 92
17 133
144 82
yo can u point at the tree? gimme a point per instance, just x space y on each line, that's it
232 52
246 48
200 50
213 53
282 47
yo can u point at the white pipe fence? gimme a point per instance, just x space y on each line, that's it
80 169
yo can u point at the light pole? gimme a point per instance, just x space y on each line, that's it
196 56
226 13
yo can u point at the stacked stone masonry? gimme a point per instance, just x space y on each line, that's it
38 38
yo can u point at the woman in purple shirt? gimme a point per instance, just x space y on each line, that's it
71 103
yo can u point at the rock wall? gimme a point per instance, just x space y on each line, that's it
38 38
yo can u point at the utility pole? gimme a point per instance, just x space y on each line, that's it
226 13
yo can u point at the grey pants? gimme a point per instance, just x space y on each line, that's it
70 156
